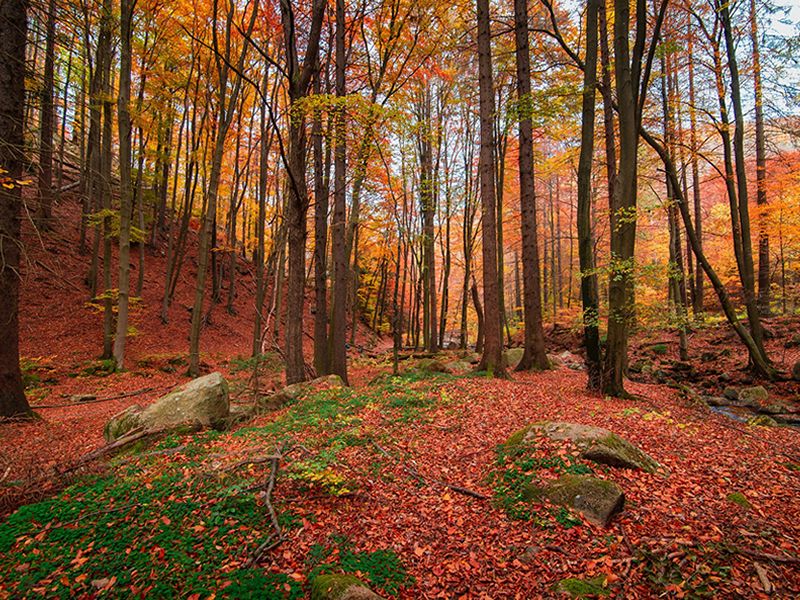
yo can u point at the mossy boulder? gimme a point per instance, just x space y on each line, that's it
762 421
458 367
123 422
512 356
431 365
596 499
595 443
340 587
753 397
291 393
202 401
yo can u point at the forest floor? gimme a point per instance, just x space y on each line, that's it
403 481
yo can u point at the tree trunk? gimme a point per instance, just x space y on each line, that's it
124 117
13 37
589 294
534 355
492 357
337 356
761 171
44 214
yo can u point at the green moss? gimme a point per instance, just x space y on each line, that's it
331 587
659 349
516 438
584 588
740 499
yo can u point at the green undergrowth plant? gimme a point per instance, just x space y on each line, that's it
173 524
164 534
518 469
381 569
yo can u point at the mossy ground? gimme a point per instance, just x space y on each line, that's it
183 525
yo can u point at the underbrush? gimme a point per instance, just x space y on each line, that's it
186 516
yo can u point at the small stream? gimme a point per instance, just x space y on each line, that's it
742 414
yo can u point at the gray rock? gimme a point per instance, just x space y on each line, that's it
512 356
754 396
716 400
202 401
595 443
291 393
340 587
596 499
731 393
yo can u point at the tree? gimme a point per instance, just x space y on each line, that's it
338 327
229 84
761 170
589 293
13 38
534 355
298 77
632 71
125 184
45 212
492 357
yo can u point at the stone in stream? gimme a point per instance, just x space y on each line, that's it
595 443
340 587
202 401
596 499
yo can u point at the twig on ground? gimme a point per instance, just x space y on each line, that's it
778 558
95 400
276 537
411 470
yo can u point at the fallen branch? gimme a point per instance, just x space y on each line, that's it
778 558
106 399
277 536
60 276
411 470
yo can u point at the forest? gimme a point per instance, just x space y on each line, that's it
351 299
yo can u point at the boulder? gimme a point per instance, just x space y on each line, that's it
596 499
340 587
595 443
512 356
762 421
754 397
716 401
458 367
431 365
202 401
731 393
293 392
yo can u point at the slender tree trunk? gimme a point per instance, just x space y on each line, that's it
747 273
492 357
534 355
589 293
337 356
126 191
45 210
697 296
761 171
757 356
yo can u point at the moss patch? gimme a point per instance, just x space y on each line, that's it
583 588
740 499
